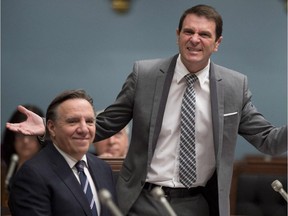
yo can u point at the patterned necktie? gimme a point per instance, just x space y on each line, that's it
187 157
86 186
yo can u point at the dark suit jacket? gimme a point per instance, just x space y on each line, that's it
143 99
45 185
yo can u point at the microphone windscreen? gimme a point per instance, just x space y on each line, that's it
104 196
14 158
276 185
157 192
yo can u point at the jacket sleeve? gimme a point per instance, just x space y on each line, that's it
258 131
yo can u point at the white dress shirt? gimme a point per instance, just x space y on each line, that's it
71 162
164 169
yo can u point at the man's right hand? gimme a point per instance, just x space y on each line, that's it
34 124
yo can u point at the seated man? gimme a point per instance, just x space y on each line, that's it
114 146
51 182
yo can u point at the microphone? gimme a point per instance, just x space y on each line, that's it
13 161
277 186
158 194
106 199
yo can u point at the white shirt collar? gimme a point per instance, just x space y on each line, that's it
181 71
70 160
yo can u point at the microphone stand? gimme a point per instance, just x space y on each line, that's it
106 198
158 194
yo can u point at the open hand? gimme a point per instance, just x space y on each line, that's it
34 124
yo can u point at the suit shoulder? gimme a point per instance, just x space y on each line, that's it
153 64
224 71
154 61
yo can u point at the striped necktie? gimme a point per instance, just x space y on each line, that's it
86 186
187 157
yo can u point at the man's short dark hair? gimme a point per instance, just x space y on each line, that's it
207 11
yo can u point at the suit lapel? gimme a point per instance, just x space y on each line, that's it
102 179
217 107
64 172
162 89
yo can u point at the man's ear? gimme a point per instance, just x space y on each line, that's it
177 35
51 128
217 43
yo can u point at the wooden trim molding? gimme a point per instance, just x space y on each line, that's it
115 162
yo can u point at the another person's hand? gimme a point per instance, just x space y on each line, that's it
34 124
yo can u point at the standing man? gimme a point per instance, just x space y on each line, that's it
220 109
50 183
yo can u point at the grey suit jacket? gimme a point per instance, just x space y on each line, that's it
143 98
45 185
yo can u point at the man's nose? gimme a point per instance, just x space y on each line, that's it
194 38
83 127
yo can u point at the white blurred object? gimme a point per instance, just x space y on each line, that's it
12 166
106 199
158 193
277 186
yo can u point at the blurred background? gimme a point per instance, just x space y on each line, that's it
55 45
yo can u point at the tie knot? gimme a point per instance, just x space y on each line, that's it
191 79
80 166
